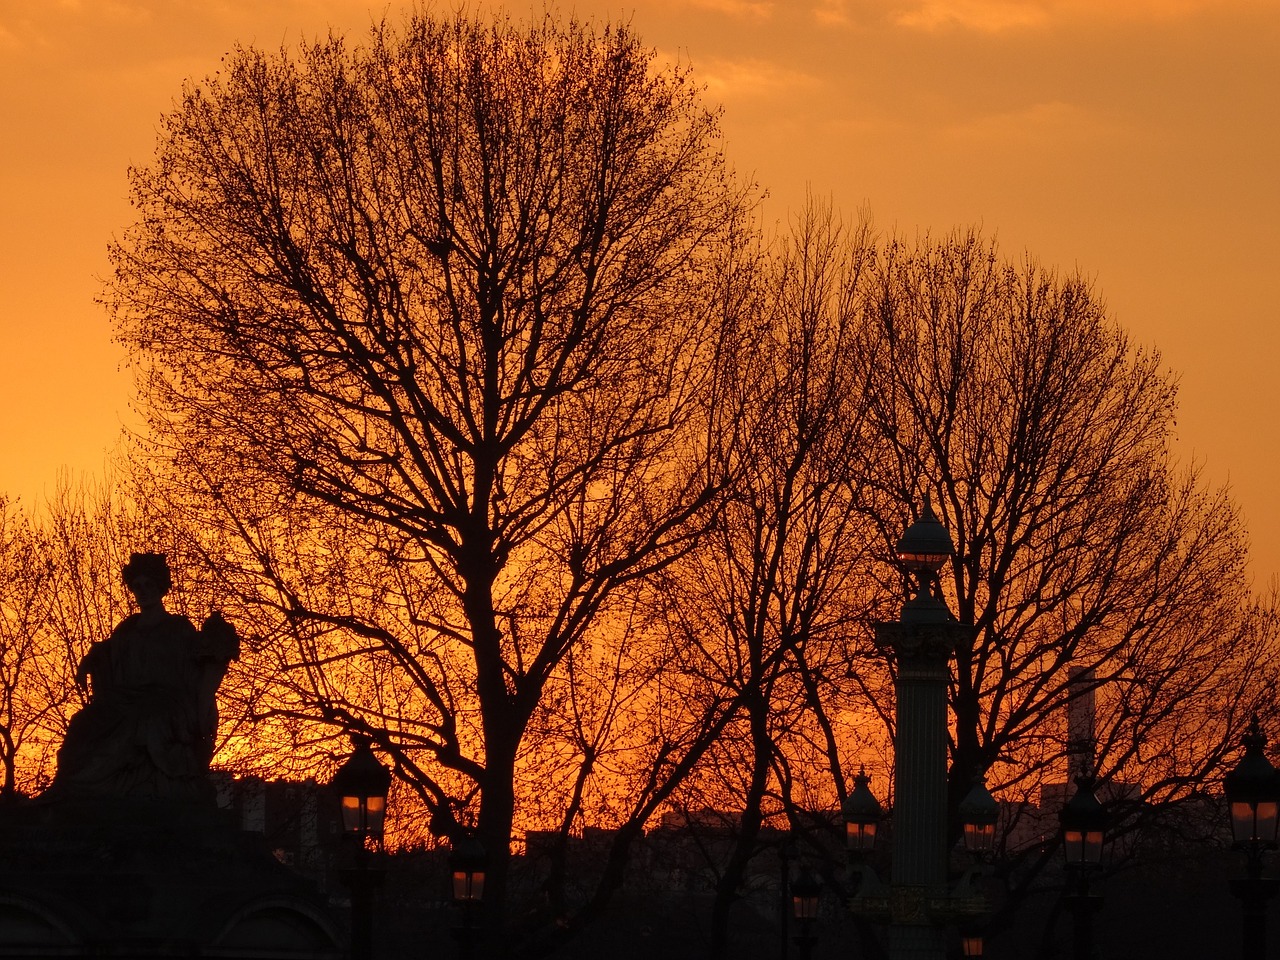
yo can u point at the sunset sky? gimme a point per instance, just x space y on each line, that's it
1138 140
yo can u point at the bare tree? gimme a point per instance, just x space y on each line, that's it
430 333
773 592
1042 434
25 582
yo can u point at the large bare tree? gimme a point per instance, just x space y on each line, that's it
771 597
430 335
1042 434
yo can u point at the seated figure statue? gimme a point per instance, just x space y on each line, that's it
149 726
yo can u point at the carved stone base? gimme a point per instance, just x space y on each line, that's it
139 878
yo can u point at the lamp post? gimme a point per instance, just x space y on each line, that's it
786 852
979 813
921 642
467 862
1253 794
862 814
362 784
1084 823
806 891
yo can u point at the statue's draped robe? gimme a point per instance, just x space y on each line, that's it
149 728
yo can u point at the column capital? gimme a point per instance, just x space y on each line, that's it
922 644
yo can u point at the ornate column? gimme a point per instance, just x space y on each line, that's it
921 642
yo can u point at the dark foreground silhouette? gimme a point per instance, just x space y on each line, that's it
127 853
149 726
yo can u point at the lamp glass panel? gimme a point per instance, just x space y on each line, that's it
1243 826
861 837
376 814
461 885
1241 821
971 945
351 815
468 884
979 837
916 560
1091 850
1073 845
1266 821
804 908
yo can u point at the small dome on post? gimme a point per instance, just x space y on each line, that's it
925 545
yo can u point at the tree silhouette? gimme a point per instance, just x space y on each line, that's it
430 333
1041 433
466 379
769 600
26 700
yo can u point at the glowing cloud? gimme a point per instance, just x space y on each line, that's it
755 9
993 16
831 12
1038 123
727 79
988 16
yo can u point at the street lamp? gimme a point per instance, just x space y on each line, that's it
1253 794
921 642
806 891
1084 823
362 784
467 862
978 815
862 815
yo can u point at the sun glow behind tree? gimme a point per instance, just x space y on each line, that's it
432 334
453 346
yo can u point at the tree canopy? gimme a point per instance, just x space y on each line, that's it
510 441
432 330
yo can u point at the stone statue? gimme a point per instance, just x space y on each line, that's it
151 720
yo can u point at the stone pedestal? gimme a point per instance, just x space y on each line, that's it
145 878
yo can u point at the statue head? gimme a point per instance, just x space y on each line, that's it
150 566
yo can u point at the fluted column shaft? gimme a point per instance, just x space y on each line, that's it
922 652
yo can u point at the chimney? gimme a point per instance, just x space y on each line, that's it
1081 739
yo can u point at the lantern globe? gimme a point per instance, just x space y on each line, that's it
806 891
467 861
362 785
979 813
1253 793
1084 824
862 814
925 545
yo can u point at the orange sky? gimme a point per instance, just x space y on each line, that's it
1136 139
